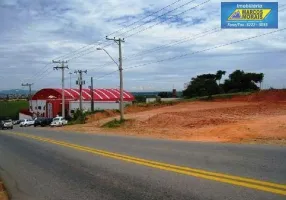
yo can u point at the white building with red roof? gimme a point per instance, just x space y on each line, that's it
48 102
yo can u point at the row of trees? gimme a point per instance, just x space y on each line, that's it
209 84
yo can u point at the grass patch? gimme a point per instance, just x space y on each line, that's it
115 123
10 109
218 96
154 104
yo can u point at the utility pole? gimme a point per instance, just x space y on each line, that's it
30 92
70 73
80 82
30 88
62 67
92 95
121 103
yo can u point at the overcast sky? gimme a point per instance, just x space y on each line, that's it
33 32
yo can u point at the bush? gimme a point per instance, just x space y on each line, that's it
79 117
115 123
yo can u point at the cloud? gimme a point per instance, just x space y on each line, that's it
32 33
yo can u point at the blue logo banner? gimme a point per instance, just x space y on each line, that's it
253 15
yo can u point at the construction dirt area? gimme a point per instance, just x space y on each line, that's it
256 118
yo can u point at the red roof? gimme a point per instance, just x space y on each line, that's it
73 94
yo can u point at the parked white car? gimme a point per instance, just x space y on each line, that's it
58 121
27 122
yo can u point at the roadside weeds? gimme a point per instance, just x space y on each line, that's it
3 193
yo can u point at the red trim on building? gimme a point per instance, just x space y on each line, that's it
73 94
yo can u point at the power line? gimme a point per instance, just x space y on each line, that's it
133 23
164 14
66 55
82 53
37 75
151 26
237 54
43 74
208 49
185 39
78 50
142 30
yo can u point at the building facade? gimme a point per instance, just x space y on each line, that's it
48 102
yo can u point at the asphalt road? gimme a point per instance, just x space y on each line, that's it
42 164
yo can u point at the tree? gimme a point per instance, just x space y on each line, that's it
165 94
240 81
202 85
219 75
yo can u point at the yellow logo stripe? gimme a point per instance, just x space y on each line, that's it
249 14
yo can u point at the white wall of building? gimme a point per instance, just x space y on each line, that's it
38 106
86 105
150 100
23 116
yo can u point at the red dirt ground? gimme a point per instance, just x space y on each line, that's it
259 118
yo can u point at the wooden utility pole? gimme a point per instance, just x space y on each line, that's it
92 94
80 82
30 88
30 92
62 67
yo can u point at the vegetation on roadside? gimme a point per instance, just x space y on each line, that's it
10 109
218 96
115 123
209 84
3 192
80 117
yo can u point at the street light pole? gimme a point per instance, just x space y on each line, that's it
120 68
121 82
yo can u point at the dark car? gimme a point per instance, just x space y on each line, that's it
6 124
42 121
17 122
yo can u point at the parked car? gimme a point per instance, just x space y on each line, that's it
6 124
27 122
42 121
16 122
58 121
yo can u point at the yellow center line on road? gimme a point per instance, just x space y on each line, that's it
234 180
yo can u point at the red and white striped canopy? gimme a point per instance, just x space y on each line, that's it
74 94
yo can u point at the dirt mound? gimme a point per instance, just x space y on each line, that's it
249 121
261 96
268 96
212 116
183 120
144 107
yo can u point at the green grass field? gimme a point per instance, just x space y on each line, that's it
11 109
